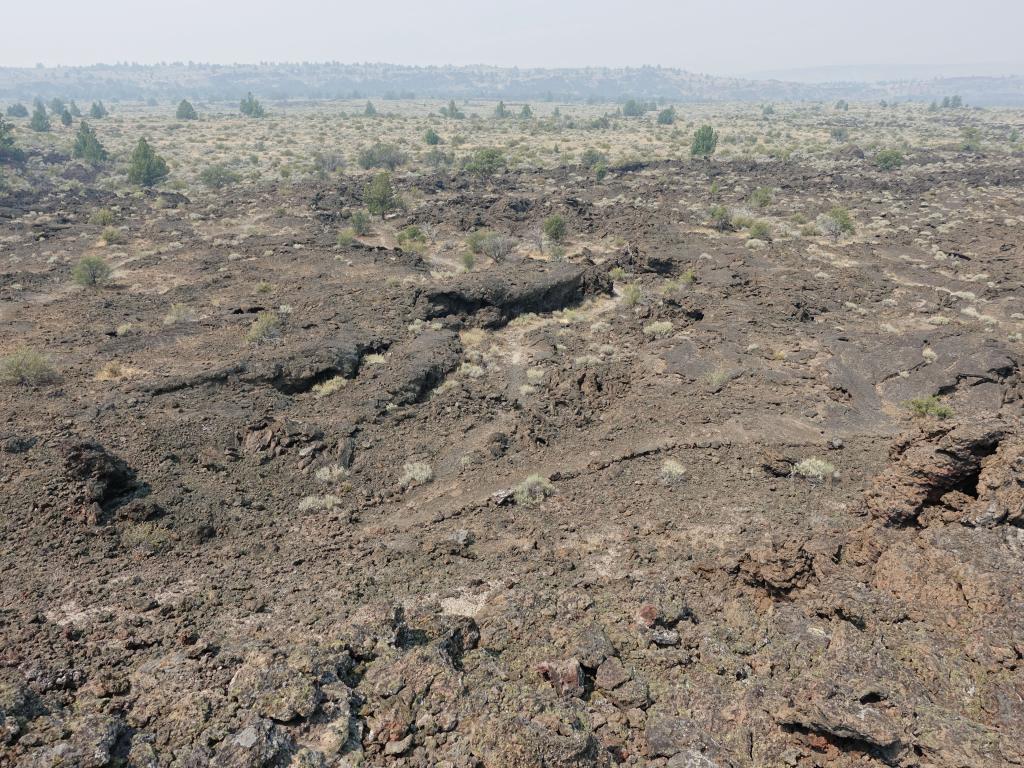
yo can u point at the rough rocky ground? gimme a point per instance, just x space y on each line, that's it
212 559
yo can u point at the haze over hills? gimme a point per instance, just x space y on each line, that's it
879 73
275 81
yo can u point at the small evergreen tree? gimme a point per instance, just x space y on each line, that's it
380 197
501 111
87 146
39 122
17 110
452 111
526 113
971 139
705 140
73 109
56 105
186 111
370 110
632 108
7 149
431 137
97 111
250 107
65 118
146 167
667 116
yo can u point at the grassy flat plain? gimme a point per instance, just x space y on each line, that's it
605 455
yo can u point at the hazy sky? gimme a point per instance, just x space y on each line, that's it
713 36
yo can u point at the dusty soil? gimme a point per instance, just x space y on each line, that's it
309 550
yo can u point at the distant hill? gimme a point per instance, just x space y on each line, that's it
334 80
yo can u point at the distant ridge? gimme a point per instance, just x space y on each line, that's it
332 80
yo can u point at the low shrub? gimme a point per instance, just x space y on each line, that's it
889 159
554 228
266 326
91 271
721 218
381 156
26 367
532 491
923 407
415 473
815 469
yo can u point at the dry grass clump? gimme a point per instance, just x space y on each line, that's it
330 386
672 472
535 375
532 491
112 235
102 217
658 330
717 379
415 473
319 503
266 326
116 371
331 473
26 367
815 469
180 313
631 295
149 538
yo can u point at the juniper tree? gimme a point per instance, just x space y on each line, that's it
452 111
17 110
704 142
39 122
65 117
7 149
87 146
97 111
380 197
186 111
146 167
250 107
